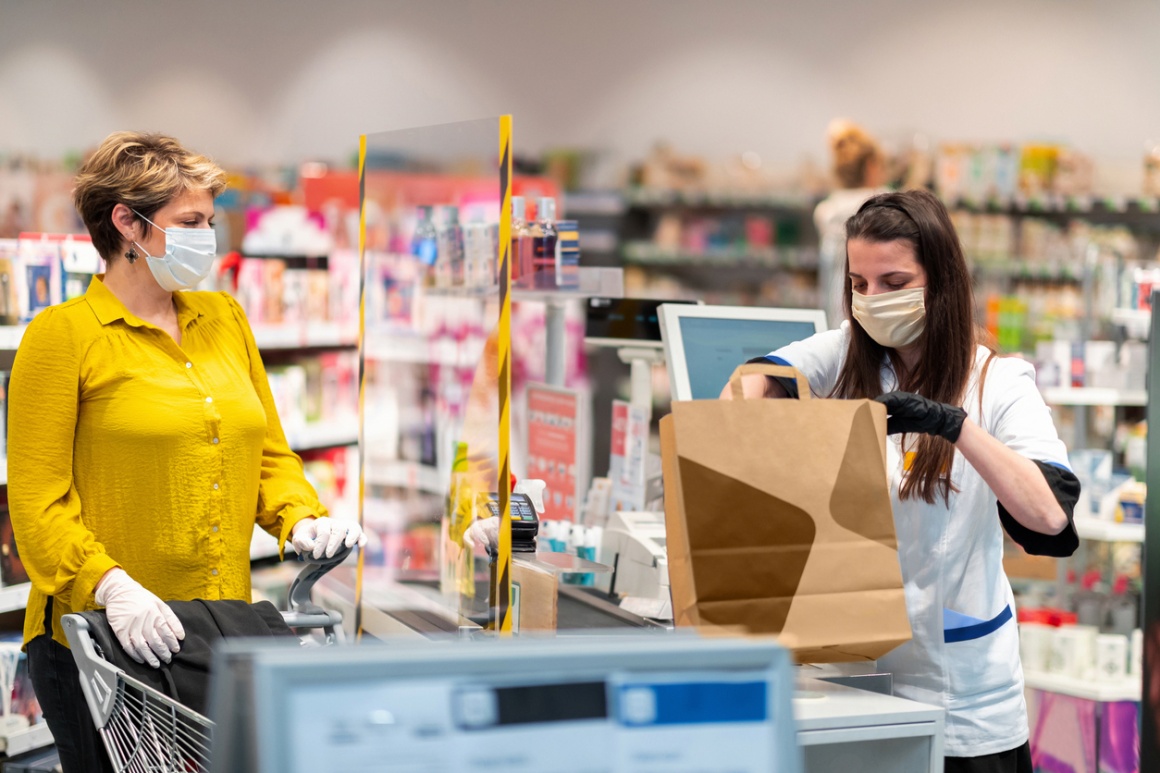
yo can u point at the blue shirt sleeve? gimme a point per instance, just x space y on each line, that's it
819 358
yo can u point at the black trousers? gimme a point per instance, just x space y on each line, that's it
57 684
1011 761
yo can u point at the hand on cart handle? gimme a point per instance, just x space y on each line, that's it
144 625
324 536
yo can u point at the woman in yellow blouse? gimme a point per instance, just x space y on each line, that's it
143 439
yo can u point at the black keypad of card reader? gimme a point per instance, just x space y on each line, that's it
525 523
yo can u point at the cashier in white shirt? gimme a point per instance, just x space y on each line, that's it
954 407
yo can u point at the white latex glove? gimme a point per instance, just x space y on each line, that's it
483 532
324 536
144 624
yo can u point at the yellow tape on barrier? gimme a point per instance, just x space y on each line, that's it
362 246
503 622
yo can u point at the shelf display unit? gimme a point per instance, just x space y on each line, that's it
730 248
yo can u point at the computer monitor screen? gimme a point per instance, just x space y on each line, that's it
704 344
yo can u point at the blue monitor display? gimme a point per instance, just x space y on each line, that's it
713 348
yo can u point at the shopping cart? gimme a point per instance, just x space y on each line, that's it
146 731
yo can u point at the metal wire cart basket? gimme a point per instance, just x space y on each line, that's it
146 731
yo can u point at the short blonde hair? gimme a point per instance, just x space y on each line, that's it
143 171
853 149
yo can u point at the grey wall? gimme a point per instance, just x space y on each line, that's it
259 80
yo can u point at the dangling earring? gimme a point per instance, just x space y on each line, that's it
131 255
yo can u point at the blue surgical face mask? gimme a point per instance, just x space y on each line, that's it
188 258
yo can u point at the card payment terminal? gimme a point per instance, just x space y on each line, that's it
525 523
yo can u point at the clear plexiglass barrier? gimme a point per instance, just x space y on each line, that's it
431 345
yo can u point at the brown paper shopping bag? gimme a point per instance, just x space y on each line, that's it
779 520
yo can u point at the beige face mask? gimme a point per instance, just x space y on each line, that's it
893 319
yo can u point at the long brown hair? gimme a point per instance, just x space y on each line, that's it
949 340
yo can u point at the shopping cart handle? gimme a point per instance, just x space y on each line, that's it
314 571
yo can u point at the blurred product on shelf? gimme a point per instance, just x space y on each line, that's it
567 269
543 236
316 390
334 474
1098 364
1040 280
734 235
1137 285
449 269
286 230
1131 440
38 270
1004 173
297 291
15 680
448 255
574 539
664 169
4 375
730 251
521 246
481 244
11 567
36 195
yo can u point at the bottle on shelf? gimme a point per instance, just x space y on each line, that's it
568 255
449 261
544 238
521 249
478 254
425 243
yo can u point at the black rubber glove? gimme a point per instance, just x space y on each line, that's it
908 412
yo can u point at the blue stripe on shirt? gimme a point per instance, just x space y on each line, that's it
978 631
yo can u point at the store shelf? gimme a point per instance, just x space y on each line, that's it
1105 531
385 346
593 204
263 545
1137 323
1095 396
22 741
306 335
1131 317
1104 691
14 597
653 197
10 336
647 253
407 475
1026 271
323 435
548 295
597 240
1049 204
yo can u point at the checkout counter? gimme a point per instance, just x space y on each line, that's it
845 717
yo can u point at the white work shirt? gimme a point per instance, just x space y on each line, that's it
965 652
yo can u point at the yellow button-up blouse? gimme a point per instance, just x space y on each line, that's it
128 450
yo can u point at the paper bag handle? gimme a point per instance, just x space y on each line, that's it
779 371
